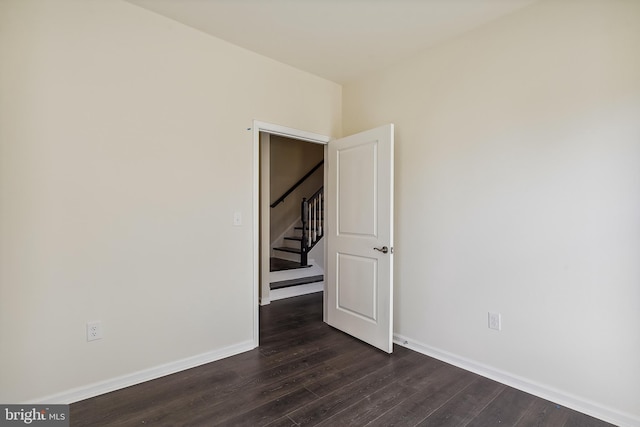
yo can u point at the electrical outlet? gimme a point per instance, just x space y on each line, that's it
94 331
495 321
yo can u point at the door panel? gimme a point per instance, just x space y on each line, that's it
356 176
360 218
358 295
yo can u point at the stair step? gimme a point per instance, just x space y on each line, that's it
296 282
299 239
290 250
279 264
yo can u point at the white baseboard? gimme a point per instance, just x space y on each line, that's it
102 387
546 392
294 291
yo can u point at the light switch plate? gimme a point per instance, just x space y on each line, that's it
237 218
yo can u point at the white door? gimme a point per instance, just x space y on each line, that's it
359 209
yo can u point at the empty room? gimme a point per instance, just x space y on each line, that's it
469 252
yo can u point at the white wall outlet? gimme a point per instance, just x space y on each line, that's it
495 321
237 218
94 331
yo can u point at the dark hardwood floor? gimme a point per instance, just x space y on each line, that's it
307 373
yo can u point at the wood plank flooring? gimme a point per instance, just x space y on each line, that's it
306 373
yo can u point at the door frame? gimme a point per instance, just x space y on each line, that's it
292 133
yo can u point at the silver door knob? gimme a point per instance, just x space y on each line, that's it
383 249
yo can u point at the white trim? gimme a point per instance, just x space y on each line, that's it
117 383
295 291
272 129
560 397
265 301
325 172
287 132
255 215
265 217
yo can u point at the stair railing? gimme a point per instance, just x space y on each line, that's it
312 216
296 185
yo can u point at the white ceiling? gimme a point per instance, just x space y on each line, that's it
335 39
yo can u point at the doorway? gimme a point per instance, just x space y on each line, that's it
294 172
358 178
262 136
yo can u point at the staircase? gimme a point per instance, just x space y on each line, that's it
306 235
296 281
292 272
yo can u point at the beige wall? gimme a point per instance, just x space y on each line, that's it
517 191
124 152
290 161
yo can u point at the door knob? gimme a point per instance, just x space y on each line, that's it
383 249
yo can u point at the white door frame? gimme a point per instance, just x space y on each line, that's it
272 129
